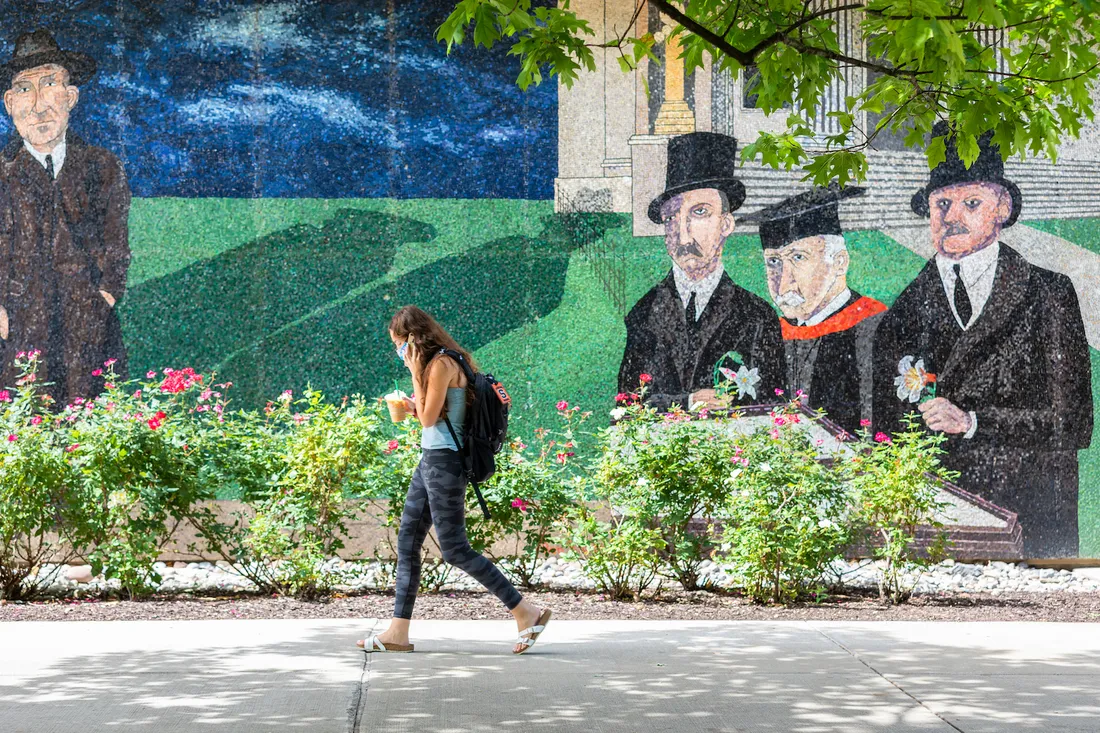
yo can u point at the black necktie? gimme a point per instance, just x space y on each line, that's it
962 300
689 311
49 166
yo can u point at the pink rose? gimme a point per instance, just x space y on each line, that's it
645 378
563 406
97 372
12 438
865 423
392 446
882 438
36 420
150 374
5 396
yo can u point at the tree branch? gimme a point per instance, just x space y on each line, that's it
835 56
741 57
736 14
746 58
780 35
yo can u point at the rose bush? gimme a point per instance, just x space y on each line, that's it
40 515
894 493
680 462
787 514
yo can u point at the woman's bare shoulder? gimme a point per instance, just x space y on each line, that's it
450 369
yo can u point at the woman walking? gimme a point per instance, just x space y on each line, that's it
437 493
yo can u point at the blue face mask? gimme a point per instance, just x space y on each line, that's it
401 350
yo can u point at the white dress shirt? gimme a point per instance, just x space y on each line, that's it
703 288
977 271
832 307
58 154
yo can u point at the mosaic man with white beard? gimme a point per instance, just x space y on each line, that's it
828 329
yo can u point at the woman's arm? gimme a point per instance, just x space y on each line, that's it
431 397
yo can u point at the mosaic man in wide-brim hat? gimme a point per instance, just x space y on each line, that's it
990 350
696 316
63 227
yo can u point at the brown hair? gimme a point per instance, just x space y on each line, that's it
413 324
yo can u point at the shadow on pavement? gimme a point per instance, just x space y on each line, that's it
708 677
738 677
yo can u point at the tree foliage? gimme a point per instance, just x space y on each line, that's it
1021 68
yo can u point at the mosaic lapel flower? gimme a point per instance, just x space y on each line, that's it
745 381
731 375
912 380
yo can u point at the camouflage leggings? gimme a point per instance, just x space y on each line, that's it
437 496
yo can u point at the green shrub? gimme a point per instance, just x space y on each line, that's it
682 461
139 453
894 484
621 554
328 453
786 515
38 514
529 494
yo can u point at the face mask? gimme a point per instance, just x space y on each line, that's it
401 350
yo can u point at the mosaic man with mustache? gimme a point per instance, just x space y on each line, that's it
697 316
990 350
828 329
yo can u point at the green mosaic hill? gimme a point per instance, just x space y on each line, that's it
278 293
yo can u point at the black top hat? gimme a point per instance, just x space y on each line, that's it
808 214
700 160
38 49
988 168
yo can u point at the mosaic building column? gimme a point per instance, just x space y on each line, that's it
675 116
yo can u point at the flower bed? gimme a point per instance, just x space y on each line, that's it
116 481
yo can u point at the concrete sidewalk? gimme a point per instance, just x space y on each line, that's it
244 676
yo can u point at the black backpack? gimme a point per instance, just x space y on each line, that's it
486 426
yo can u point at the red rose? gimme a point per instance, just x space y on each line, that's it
645 378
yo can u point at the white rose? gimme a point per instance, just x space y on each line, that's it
618 413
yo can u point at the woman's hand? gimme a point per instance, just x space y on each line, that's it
411 361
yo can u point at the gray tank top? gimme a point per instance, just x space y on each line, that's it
438 436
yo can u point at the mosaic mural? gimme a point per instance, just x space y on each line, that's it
253 187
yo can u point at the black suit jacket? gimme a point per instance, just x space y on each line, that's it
1023 368
681 356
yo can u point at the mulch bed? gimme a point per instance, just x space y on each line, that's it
569 605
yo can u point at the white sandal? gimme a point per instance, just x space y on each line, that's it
530 635
374 645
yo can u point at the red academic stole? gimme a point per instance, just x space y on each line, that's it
863 308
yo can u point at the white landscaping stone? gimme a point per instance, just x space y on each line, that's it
79 573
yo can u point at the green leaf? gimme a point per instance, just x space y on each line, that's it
937 152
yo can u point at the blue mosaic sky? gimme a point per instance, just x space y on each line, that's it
299 99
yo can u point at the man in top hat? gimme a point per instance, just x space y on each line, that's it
828 329
64 229
697 316
991 351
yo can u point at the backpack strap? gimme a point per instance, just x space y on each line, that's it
466 467
466 368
